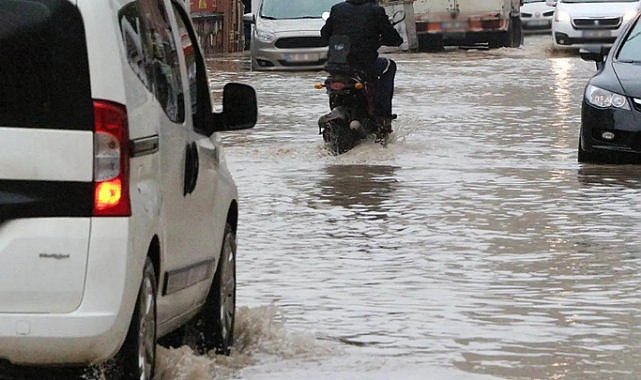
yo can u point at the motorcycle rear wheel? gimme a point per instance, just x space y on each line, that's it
338 137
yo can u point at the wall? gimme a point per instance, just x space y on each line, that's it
219 25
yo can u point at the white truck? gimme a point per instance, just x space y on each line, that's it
468 22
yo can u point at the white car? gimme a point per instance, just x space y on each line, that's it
580 23
286 34
117 211
536 15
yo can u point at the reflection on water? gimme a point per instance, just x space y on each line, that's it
473 246
616 178
358 186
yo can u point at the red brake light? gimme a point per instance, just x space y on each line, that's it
111 160
337 86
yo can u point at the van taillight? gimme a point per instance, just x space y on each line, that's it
111 160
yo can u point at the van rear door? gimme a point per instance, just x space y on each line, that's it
46 160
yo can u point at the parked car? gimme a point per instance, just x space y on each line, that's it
536 15
578 23
611 111
117 212
286 35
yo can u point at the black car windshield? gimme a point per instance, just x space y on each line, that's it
631 47
295 9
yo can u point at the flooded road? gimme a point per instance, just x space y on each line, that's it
473 246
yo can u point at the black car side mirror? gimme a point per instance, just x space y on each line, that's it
596 54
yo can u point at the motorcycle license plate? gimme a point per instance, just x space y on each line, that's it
302 57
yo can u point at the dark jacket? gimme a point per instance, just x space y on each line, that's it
367 27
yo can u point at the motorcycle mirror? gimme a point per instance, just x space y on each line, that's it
325 16
397 17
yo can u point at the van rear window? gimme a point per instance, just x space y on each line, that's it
44 71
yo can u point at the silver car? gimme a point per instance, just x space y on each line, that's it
536 15
286 34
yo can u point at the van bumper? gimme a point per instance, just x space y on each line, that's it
96 329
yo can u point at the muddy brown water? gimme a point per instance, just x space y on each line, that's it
473 246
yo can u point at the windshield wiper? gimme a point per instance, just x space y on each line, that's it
634 61
268 17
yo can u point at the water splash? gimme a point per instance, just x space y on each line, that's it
260 336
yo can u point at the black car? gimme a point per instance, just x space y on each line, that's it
611 112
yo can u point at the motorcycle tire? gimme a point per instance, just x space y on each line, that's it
338 137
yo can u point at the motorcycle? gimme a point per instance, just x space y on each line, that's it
351 120
351 101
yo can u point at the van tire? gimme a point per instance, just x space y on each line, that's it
214 324
140 343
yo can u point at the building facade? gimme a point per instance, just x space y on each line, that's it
219 25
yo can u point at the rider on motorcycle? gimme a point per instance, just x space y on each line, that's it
368 28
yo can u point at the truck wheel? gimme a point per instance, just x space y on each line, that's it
137 356
430 42
508 36
517 32
214 324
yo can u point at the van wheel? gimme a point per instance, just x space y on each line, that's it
137 356
214 323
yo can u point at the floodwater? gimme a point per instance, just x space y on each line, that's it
473 246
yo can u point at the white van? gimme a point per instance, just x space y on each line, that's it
117 211
580 23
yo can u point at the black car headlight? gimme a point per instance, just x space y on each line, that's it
605 99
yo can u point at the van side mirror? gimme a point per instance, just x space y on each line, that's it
240 108
397 17
596 54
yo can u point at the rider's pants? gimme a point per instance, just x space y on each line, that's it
385 69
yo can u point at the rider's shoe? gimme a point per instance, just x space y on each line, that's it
385 123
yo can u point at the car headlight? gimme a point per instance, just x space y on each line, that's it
266 36
561 16
605 99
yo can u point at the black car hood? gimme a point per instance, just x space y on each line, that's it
629 74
